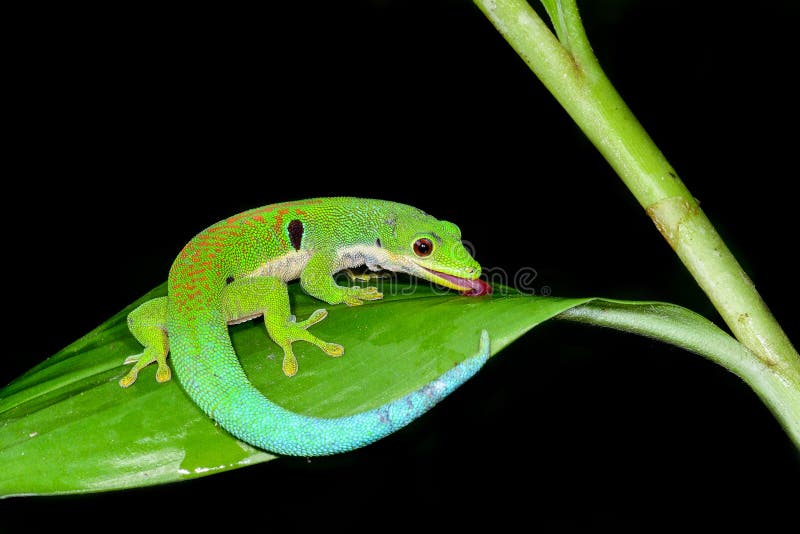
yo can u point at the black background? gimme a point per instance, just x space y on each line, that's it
133 128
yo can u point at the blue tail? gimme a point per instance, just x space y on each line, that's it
247 414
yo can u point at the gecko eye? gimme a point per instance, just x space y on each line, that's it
423 247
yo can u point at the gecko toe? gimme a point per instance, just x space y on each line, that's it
332 349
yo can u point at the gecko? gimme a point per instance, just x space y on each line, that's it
238 269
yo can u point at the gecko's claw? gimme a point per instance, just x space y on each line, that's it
129 379
332 349
163 373
314 318
133 358
289 365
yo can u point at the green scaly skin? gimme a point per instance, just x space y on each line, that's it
237 270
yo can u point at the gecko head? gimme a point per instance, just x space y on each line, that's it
425 247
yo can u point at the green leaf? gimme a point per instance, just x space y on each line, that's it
66 426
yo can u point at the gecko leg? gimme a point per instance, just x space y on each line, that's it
148 324
266 295
241 300
316 279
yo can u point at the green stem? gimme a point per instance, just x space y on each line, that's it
569 69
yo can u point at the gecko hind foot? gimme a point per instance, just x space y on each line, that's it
286 334
142 360
331 349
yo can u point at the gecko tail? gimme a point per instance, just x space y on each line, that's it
250 416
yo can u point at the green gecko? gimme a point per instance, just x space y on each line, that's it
237 270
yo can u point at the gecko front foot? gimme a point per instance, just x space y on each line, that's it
354 276
355 296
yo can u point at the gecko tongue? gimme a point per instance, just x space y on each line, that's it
471 288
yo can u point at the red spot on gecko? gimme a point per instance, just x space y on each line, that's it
191 277
276 227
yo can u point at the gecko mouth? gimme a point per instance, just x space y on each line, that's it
469 288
